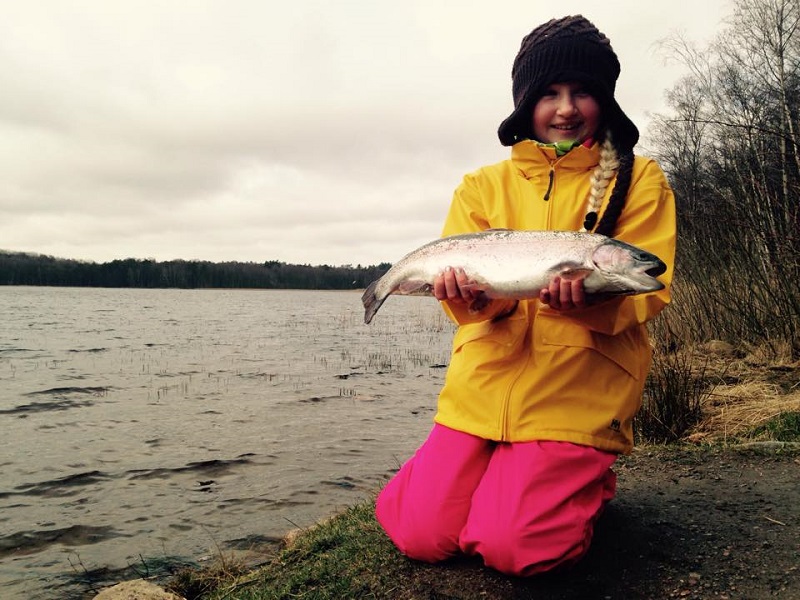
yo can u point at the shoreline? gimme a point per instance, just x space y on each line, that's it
656 538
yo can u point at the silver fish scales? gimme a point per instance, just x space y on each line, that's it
518 264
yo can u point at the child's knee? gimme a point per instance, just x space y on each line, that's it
498 547
428 547
520 553
419 532
417 538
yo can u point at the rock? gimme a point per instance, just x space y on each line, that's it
719 348
769 446
290 538
138 589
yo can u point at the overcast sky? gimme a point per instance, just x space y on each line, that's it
251 130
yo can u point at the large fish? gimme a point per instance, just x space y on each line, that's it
518 264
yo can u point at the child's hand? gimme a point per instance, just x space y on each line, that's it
563 294
454 285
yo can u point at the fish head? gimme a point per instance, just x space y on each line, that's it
626 269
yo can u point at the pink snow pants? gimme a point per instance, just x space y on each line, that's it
524 507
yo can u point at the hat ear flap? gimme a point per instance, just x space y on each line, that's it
518 126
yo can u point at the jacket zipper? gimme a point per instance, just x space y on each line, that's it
549 184
549 194
504 429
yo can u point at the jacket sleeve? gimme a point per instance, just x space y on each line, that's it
468 214
647 221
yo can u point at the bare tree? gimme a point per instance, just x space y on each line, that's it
731 147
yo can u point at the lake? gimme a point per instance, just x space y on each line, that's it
153 425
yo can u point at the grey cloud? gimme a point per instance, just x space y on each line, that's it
305 132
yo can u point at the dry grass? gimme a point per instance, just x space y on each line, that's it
752 386
735 411
195 583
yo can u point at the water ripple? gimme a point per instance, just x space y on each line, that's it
214 467
30 542
61 487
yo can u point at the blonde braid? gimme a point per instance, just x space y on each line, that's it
601 177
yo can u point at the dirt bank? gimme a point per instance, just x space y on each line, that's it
686 523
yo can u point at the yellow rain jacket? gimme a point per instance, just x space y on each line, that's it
576 376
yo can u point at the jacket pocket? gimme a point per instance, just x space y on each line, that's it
629 350
493 340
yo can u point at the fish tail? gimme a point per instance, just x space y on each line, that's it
371 301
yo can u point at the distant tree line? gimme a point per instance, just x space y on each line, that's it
18 268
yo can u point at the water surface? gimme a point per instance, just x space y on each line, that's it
167 423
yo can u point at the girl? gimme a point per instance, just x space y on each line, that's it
540 394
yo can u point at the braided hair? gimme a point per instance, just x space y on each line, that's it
610 164
616 202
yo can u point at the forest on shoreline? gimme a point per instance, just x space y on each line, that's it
20 268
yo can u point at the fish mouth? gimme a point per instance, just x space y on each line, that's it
645 275
648 274
658 269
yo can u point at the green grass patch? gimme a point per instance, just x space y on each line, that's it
784 427
347 556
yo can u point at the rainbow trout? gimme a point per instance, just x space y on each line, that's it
518 264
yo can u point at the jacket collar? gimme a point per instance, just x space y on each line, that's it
534 160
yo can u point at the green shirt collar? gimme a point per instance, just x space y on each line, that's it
561 148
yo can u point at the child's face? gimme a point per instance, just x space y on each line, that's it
566 112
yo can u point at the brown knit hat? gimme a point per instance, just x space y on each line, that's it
566 49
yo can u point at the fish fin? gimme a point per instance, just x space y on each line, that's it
478 303
371 301
573 272
474 287
414 287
